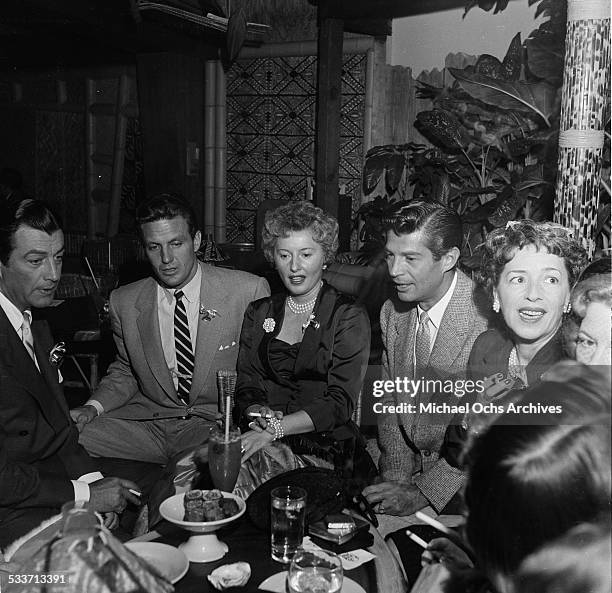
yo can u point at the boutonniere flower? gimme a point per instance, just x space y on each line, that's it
269 324
57 353
208 314
311 321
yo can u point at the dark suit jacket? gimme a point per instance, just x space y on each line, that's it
418 460
39 450
329 369
138 385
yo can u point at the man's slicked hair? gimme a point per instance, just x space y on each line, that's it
165 207
441 226
35 214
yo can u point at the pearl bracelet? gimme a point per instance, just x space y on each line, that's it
279 431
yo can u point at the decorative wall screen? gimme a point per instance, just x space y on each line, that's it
60 165
271 134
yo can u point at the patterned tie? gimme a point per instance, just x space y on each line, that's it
184 351
423 342
26 334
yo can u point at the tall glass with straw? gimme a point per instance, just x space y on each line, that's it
224 446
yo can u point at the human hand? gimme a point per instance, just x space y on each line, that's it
254 440
111 520
112 494
445 552
395 498
260 423
83 415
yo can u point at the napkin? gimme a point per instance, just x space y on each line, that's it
350 560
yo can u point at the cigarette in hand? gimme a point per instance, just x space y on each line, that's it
135 492
258 415
416 539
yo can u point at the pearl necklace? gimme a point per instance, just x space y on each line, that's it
301 308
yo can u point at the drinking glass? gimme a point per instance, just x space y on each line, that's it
224 457
287 515
315 571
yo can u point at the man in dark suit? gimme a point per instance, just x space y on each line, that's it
173 331
428 332
42 466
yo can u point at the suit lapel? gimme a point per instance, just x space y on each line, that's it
455 327
323 311
25 372
212 296
406 325
150 338
277 312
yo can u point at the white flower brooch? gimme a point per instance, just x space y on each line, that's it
269 324
57 353
311 321
208 314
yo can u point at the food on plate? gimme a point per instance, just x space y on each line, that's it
208 505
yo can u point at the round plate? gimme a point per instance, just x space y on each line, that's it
173 510
277 583
168 561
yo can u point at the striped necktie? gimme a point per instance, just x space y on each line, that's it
26 334
184 350
423 346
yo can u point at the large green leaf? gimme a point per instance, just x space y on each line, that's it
513 95
513 60
545 58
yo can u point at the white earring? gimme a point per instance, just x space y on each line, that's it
567 308
496 304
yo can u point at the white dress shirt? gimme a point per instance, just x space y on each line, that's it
15 317
435 315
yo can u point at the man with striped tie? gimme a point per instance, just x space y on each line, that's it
173 331
42 466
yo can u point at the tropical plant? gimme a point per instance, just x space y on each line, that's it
493 133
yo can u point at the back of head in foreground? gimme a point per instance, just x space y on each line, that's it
528 484
578 562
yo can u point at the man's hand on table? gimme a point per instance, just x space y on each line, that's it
83 415
112 494
395 498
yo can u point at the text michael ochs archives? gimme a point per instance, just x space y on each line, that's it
458 388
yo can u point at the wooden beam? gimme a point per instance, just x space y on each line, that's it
388 9
329 97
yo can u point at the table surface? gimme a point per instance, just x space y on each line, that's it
247 543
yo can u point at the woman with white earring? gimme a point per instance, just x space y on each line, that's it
527 269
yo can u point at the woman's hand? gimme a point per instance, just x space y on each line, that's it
445 552
254 440
260 423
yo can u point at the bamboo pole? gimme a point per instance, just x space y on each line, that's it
114 207
220 155
90 144
586 88
210 81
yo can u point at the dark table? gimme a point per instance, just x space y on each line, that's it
246 543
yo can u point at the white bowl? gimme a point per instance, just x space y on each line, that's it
168 561
203 546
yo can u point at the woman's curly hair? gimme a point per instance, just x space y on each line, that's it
299 216
503 243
